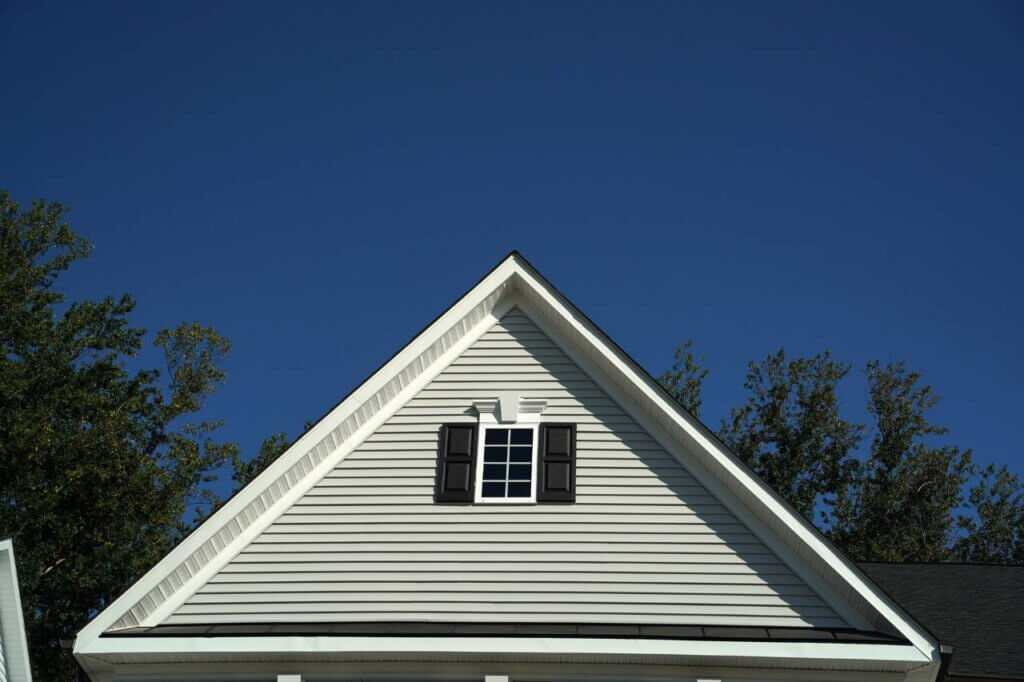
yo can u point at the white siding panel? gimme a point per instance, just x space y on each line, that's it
644 542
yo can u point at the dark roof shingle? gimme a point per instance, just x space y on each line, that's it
978 609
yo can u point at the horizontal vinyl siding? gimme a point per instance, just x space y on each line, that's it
644 542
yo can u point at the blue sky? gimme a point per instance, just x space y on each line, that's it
318 180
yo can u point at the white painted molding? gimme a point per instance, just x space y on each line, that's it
495 678
531 406
844 655
289 678
486 410
510 408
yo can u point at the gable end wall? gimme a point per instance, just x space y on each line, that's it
644 542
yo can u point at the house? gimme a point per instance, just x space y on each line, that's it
509 497
14 665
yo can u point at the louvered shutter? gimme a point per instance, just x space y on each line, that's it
455 459
556 463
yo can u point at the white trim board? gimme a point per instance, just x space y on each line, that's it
512 282
821 655
14 660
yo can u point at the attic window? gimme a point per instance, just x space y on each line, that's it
508 456
507 464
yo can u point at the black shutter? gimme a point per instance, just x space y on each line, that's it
556 463
455 458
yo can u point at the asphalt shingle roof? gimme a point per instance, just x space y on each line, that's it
978 609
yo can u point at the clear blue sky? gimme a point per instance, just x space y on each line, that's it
318 180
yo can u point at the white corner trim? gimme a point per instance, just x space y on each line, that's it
13 641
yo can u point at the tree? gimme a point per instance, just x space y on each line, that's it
244 471
994 524
790 432
686 378
100 462
901 507
270 449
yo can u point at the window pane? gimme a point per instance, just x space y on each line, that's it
494 472
495 454
519 472
520 454
519 489
493 490
496 437
507 463
522 436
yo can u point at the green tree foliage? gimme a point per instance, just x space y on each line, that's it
908 498
993 531
270 449
906 492
790 432
100 462
686 378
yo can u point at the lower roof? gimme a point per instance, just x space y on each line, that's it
978 609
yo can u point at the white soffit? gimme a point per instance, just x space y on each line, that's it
512 282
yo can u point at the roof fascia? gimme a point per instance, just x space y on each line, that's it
778 654
773 511
244 516
12 619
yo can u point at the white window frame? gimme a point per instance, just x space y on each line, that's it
479 475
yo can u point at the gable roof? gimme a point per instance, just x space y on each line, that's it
643 542
513 282
14 663
978 609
